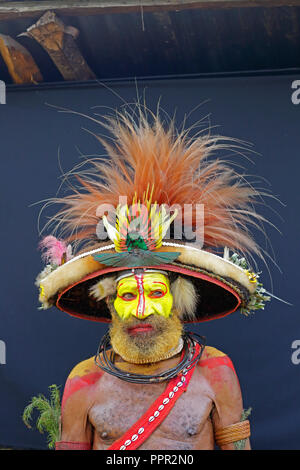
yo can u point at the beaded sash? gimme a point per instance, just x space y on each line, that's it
157 412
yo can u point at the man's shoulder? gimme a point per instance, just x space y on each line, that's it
85 374
84 368
218 370
214 358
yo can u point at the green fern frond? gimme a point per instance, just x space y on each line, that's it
54 397
49 414
27 414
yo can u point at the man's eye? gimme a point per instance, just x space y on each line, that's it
156 294
128 296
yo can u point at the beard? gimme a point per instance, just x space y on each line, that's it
150 344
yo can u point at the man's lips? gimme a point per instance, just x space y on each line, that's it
145 328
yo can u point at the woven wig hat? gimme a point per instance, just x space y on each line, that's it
153 167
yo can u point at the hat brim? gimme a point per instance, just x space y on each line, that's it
222 287
218 299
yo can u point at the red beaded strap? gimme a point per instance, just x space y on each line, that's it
158 411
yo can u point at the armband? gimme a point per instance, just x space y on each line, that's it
67 445
233 433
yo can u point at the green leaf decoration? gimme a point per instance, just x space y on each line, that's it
49 414
258 299
240 445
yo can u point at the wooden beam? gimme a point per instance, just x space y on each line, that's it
13 10
20 63
58 40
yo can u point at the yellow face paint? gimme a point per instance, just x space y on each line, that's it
42 292
142 295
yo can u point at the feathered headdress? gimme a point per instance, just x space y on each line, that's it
151 165
179 170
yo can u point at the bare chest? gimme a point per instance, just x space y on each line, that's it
117 405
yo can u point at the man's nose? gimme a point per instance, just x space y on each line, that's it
142 310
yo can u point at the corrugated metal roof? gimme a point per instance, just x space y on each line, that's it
192 41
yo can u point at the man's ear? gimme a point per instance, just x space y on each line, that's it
109 300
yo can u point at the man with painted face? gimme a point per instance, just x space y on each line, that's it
146 338
153 385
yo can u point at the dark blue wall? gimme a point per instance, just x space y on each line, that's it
42 346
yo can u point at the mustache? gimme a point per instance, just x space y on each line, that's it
156 321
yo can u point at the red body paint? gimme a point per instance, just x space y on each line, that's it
77 382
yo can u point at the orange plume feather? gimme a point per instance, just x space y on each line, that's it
180 169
